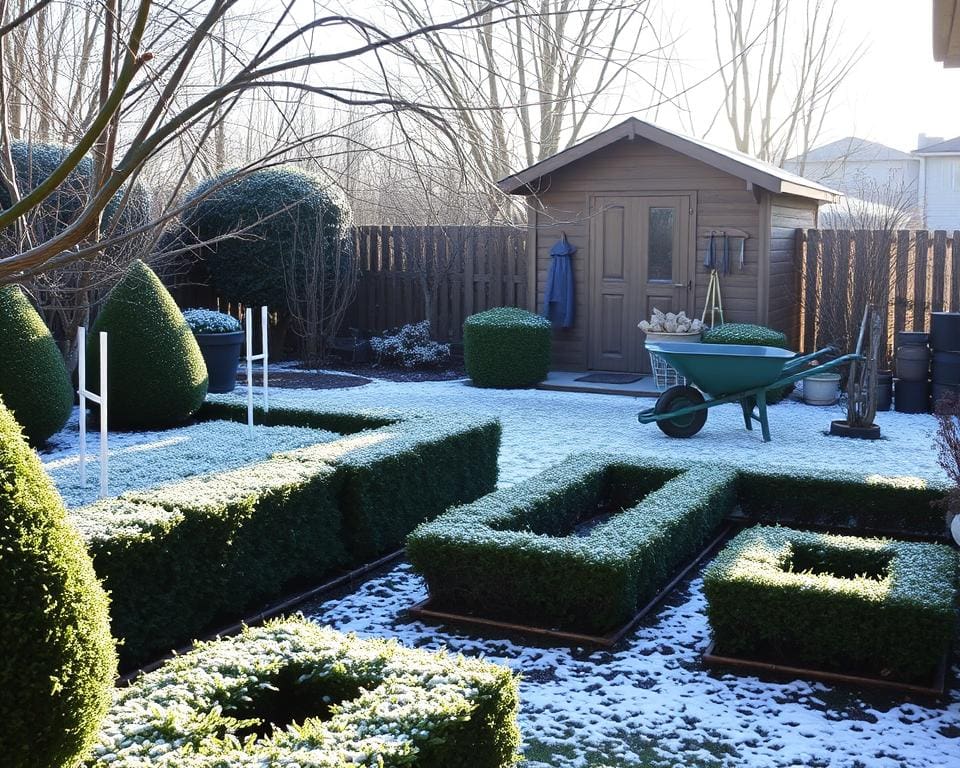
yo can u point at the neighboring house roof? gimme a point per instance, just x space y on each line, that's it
852 149
754 171
948 147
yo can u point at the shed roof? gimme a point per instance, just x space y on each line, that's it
948 147
750 169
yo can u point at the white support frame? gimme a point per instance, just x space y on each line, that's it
101 400
264 356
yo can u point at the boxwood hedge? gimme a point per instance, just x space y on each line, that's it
182 557
839 602
843 499
512 555
295 694
506 347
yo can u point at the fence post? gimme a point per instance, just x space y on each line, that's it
101 400
920 280
251 358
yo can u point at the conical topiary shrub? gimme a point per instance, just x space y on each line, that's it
57 659
33 378
156 374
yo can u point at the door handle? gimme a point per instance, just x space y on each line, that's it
688 285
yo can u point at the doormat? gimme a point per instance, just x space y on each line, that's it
611 378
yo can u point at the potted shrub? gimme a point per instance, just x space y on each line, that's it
220 338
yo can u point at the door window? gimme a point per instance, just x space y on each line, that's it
660 244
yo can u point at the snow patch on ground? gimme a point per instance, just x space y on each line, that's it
651 702
541 428
141 460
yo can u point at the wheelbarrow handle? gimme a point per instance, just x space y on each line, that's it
799 360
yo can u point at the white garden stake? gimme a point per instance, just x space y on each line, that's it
251 358
100 399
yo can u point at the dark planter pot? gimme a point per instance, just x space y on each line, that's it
911 396
884 390
912 338
842 429
946 368
945 331
221 353
913 363
941 390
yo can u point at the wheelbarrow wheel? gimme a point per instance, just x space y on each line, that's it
674 399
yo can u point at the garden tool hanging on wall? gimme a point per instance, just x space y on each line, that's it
713 305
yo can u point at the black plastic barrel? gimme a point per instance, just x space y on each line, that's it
913 363
946 368
912 338
911 396
884 390
945 331
940 390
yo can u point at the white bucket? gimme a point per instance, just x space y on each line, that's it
821 389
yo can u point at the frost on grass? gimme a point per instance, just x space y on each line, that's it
541 428
651 703
142 460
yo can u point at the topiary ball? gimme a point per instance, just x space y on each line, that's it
506 348
57 659
33 162
754 336
33 378
284 217
155 371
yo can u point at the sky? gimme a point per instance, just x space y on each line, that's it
896 91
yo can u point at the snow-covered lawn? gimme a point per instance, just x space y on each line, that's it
540 428
650 702
139 460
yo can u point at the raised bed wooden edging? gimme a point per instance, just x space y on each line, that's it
423 610
937 689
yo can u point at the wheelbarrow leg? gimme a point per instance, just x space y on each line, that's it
746 405
762 408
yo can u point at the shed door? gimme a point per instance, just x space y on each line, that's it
640 258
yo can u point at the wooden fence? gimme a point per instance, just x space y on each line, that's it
469 269
910 273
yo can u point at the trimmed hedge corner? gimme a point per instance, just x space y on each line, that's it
157 377
294 693
180 558
34 382
57 659
506 348
511 554
754 336
838 602
844 500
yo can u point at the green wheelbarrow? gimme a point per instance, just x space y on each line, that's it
728 373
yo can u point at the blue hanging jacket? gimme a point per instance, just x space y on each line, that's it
558 297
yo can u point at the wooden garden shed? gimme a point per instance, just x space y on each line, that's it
640 204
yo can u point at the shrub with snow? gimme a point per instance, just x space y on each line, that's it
210 321
410 347
321 699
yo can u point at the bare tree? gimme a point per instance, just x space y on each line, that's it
146 106
777 92
519 92
320 273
